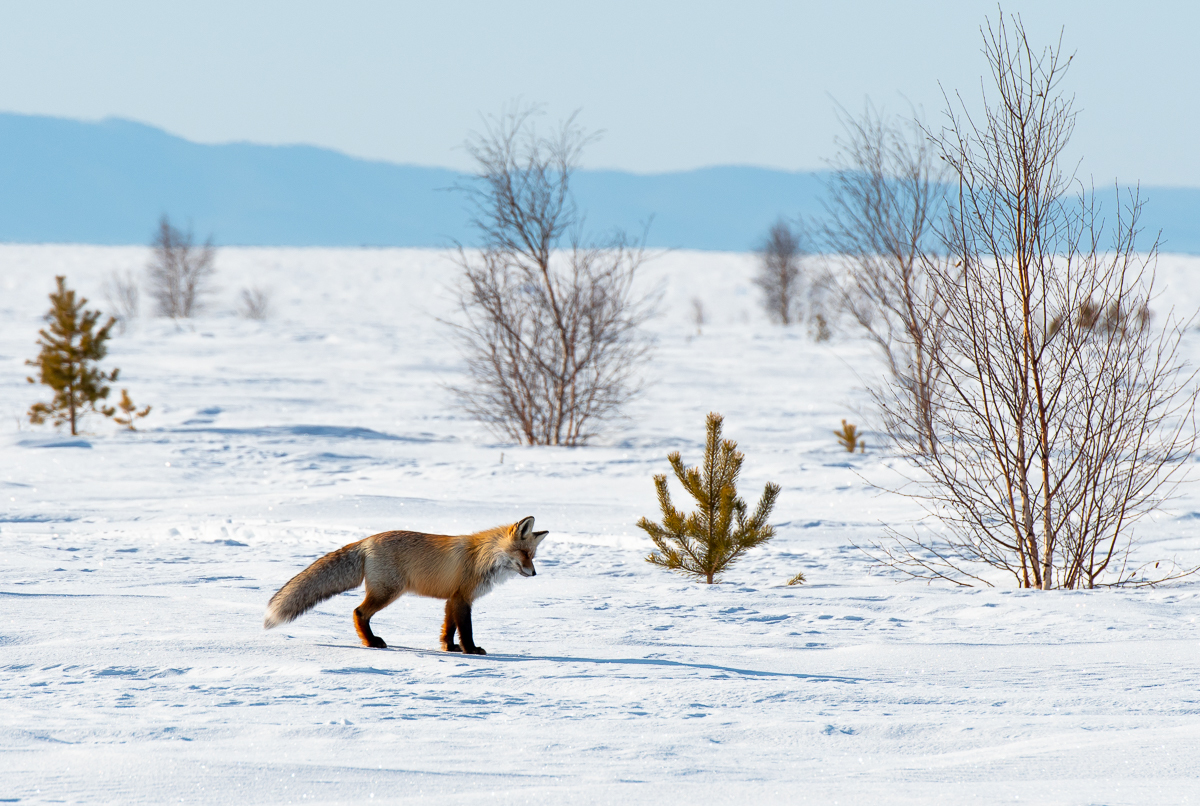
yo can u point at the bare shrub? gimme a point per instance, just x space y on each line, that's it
180 273
699 315
550 325
1050 441
818 327
123 297
255 303
779 276
883 202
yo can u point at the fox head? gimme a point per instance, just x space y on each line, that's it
523 545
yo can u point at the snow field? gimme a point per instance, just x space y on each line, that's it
137 567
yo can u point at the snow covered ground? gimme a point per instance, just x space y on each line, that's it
135 569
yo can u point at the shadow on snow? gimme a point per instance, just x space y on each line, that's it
600 661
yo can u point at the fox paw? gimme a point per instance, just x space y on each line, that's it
376 643
452 647
476 651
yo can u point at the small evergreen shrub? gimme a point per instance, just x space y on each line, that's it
705 543
848 437
72 346
129 411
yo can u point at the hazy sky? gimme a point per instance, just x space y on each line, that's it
674 85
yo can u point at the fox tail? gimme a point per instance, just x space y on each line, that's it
334 573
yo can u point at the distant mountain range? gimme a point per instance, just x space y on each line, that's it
68 181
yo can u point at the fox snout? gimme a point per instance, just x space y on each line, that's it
527 571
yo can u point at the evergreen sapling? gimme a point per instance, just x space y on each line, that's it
705 543
72 346
849 437
129 411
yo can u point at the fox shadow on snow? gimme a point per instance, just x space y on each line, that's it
604 661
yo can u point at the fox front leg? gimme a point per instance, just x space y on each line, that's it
458 616
449 627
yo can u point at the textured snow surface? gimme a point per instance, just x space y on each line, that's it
135 569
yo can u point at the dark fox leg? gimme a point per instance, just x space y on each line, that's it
371 605
461 609
449 627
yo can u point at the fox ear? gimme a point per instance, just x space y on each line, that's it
538 537
524 527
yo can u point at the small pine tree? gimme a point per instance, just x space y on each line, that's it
129 411
848 437
706 542
71 347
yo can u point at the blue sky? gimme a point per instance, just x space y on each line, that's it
674 85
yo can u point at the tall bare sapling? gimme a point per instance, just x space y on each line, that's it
1053 433
180 273
550 324
779 276
883 202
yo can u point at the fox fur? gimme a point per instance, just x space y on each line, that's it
457 568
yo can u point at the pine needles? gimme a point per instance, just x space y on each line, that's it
705 543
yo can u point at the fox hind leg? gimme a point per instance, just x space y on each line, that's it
372 604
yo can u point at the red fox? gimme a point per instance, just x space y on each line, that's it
457 568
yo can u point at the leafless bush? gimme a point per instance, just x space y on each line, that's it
819 327
883 201
180 274
550 326
779 276
255 303
1048 444
123 297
